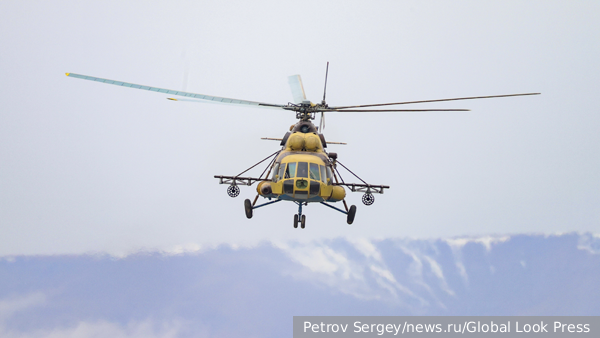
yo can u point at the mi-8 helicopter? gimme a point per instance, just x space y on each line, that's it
302 171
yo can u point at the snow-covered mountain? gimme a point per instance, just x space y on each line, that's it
228 291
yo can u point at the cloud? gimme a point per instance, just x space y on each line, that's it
589 243
189 248
486 241
83 329
10 306
101 329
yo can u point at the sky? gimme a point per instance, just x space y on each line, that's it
112 224
93 168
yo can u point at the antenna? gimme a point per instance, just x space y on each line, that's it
325 89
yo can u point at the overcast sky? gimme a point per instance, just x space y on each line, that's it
88 167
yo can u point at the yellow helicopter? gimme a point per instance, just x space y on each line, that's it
302 171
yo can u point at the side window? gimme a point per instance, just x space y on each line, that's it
290 171
281 170
275 172
314 171
302 169
323 175
329 173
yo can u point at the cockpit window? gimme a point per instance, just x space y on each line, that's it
290 171
329 173
323 175
281 171
314 171
275 172
302 169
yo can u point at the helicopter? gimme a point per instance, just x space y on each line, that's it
302 171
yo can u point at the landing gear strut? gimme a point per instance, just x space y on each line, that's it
349 214
248 206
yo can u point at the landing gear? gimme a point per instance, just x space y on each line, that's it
299 217
351 213
248 208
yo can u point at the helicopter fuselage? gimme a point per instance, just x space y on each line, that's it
302 171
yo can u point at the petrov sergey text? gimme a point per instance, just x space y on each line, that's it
364 326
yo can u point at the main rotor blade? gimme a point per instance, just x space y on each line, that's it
280 139
388 110
208 98
297 89
325 88
262 106
440 100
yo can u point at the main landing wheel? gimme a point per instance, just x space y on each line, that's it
295 221
303 221
351 214
248 208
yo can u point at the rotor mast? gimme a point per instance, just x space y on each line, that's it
306 110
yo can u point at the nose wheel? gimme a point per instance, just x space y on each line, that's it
299 218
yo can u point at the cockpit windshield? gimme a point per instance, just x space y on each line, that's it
313 171
290 170
302 169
